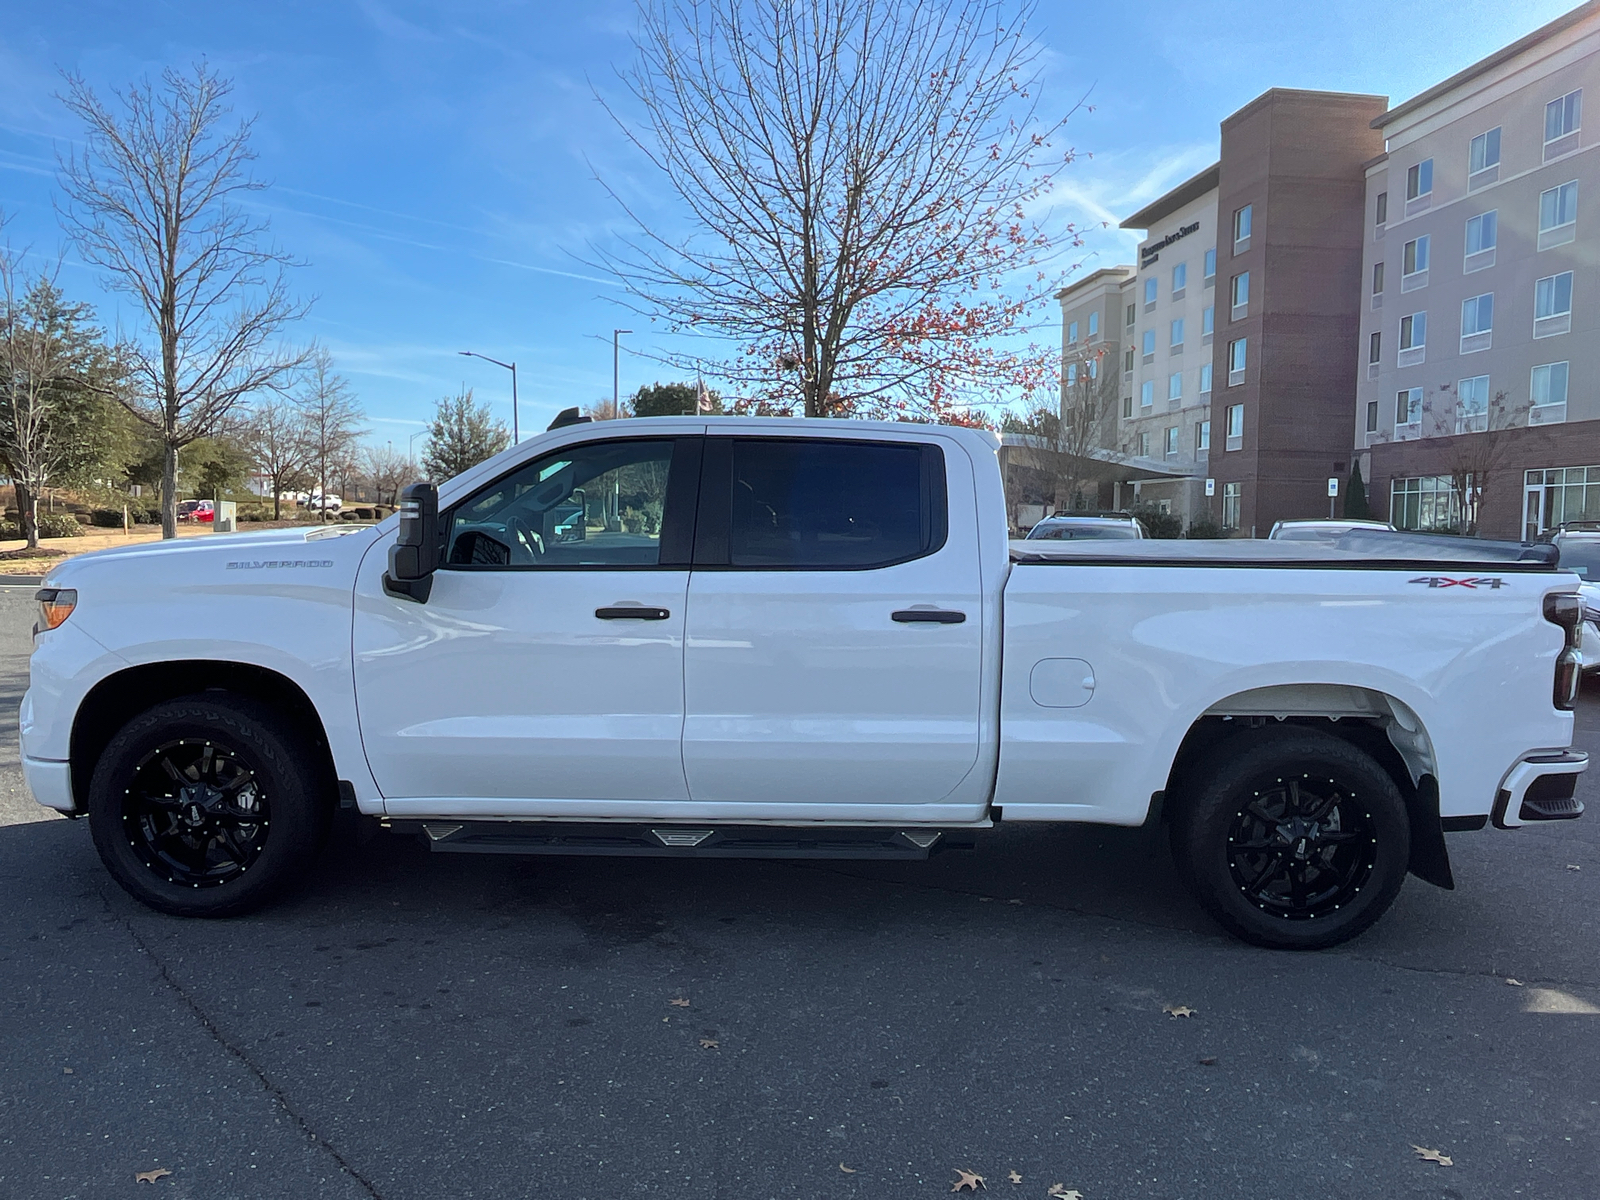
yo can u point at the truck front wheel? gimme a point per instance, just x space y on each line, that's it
207 806
1291 838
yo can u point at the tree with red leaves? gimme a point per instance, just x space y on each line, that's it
858 177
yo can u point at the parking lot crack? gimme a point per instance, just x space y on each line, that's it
1497 976
238 1052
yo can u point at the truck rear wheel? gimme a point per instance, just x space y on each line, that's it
1292 838
207 806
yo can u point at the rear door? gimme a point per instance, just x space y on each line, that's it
834 644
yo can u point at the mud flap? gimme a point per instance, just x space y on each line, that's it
1430 861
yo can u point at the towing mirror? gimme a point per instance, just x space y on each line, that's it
414 557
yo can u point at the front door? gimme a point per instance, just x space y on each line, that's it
544 675
834 648
1533 523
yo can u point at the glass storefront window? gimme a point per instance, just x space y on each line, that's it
1427 503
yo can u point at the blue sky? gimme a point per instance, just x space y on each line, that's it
434 164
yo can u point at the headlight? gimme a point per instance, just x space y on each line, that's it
55 606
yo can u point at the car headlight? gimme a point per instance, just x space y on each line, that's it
55 606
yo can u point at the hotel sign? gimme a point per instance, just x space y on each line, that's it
1152 252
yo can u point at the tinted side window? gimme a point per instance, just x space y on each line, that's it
826 503
597 504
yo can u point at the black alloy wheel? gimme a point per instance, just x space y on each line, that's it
196 813
1290 837
210 805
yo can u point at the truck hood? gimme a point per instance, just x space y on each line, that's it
270 550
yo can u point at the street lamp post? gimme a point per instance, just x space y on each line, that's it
411 455
616 399
512 367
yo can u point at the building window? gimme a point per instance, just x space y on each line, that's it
1472 404
1180 279
1483 232
1552 305
1211 267
1372 416
1477 322
1205 379
1177 333
1094 324
1172 440
1147 393
1408 407
1558 215
1232 493
1548 390
1240 295
1072 333
1131 318
1127 360
1144 445
1427 503
1150 291
1569 494
1202 436
1414 264
1149 345
1127 408
1381 212
1562 119
1235 426
1072 374
1483 159
1175 386
1413 332
1237 356
1377 279
1208 322
1419 180
1241 228
1375 347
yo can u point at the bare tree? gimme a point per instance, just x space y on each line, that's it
332 420
1053 452
607 409
858 175
275 433
152 200
387 470
1475 437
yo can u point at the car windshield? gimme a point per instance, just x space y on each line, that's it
1582 557
1081 530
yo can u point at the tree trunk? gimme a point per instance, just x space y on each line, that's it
277 498
169 492
27 514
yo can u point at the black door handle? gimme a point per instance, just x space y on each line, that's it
928 616
632 612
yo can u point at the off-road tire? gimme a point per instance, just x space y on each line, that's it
1239 816
166 852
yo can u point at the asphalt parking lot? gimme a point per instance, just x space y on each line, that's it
458 1026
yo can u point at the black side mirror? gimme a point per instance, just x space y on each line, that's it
414 557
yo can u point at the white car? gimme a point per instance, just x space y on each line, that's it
1580 554
1323 529
729 637
1068 527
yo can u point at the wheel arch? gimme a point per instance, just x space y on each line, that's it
119 697
1374 721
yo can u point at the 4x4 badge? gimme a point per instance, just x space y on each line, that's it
1473 581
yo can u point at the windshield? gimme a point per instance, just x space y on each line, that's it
1081 530
1582 557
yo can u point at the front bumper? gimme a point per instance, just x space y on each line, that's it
50 783
1540 787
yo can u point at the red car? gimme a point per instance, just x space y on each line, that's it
196 510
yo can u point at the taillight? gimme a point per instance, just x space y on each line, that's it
1566 610
55 606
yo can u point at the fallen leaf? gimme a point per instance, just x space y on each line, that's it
967 1181
679 1003
1062 1191
709 1043
150 1176
1574 867
1207 1062
1014 1177
990 899
66 1070
1013 901
847 1170
1179 1010
1433 1156
1513 982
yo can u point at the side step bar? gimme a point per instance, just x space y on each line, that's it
680 841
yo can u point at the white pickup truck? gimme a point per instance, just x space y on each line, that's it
731 637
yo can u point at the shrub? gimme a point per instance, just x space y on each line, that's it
1158 524
59 525
106 518
1206 526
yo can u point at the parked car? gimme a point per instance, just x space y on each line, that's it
1323 529
196 510
1068 527
800 639
317 501
1580 554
